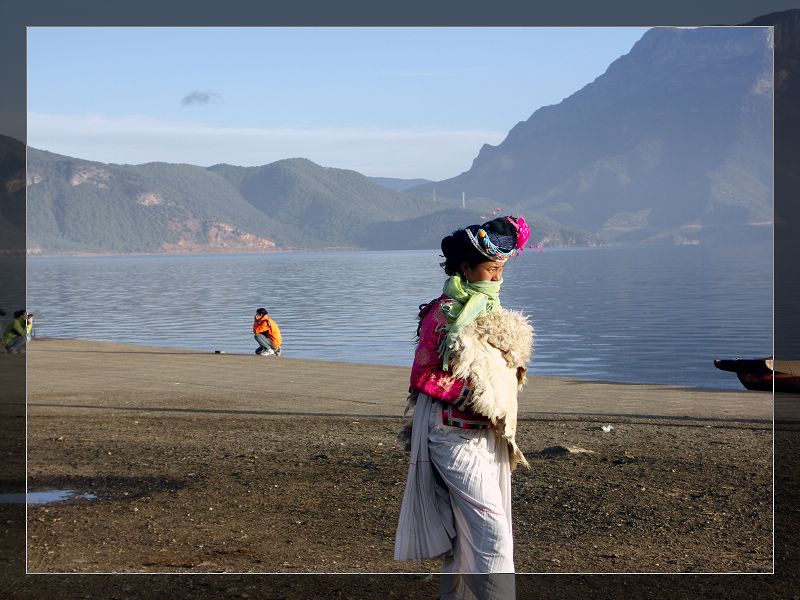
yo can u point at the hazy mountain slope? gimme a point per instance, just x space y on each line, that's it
12 195
326 204
399 185
787 141
76 205
427 231
676 132
85 206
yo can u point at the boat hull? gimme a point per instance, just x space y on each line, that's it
755 374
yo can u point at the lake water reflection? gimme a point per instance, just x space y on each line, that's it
657 314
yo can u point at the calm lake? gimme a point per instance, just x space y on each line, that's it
645 314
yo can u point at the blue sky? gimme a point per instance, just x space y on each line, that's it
394 102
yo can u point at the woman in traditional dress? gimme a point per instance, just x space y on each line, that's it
470 361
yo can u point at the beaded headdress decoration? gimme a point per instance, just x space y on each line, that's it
497 247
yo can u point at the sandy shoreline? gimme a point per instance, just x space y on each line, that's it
85 371
225 463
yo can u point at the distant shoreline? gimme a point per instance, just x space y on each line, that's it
189 253
544 394
588 380
341 249
687 388
336 250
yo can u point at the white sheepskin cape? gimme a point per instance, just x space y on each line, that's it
492 353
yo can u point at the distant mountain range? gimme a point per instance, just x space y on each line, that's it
83 206
672 143
12 195
79 206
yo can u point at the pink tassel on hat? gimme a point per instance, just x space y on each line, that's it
523 231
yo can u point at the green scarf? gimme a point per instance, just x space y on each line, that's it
469 301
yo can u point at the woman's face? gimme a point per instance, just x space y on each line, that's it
485 271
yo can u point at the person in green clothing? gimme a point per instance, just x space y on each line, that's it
15 335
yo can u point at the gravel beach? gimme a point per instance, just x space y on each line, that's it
198 463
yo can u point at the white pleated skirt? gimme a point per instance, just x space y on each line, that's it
457 500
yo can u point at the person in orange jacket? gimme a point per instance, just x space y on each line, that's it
267 334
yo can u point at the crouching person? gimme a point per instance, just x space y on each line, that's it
15 335
267 334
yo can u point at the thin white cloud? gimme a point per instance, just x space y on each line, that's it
429 153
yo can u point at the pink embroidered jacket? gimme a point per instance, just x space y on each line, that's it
428 377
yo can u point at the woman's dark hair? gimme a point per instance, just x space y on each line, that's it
19 313
457 248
